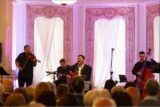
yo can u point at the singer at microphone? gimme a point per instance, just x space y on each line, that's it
81 69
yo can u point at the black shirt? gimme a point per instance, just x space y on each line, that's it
139 65
63 70
26 64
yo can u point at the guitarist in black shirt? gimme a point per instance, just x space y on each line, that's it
62 71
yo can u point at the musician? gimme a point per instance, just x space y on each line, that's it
25 63
62 71
137 69
83 70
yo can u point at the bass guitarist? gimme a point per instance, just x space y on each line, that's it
142 69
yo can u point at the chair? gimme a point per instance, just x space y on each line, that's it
87 86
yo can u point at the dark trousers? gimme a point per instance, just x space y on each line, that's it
22 80
61 80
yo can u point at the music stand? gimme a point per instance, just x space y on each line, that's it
155 68
2 72
122 78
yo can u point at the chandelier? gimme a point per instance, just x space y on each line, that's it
64 2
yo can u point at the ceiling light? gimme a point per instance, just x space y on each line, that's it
64 2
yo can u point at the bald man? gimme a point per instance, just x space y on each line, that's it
104 102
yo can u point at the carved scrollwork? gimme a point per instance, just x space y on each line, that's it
65 13
152 12
92 14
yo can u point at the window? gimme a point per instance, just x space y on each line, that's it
156 33
108 34
48 46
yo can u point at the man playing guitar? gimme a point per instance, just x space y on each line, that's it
81 69
62 71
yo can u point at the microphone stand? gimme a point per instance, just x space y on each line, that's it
54 74
111 72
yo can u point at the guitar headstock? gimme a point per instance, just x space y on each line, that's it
149 52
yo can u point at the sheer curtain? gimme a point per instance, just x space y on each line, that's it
156 30
108 34
18 33
48 46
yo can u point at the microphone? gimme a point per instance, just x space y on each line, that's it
38 61
112 49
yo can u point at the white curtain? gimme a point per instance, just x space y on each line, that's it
18 33
48 46
108 34
156 30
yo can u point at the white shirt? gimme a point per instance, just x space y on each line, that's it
79 70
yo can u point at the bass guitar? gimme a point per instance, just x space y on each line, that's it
144 74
